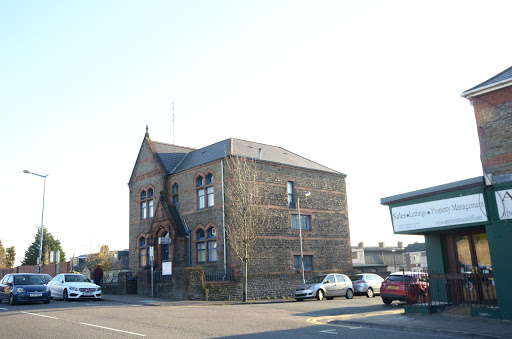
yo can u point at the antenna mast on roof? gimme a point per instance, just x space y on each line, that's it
173 120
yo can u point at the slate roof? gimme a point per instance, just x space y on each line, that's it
502 77
416 247
178 159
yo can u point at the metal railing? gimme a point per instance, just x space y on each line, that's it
216 274
467 289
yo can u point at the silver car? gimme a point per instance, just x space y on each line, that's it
325 286
367 284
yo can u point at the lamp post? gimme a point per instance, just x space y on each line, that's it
394 261
306 194
42 219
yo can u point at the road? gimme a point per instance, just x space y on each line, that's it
114 319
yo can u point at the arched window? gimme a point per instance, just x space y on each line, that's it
209 190
200 192
206 245
146 204
165 247
143 205
205 196
175 194
143 252
150 203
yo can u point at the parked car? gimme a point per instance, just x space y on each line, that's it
325 286
367 284
397 285
68 286
46 277
24 287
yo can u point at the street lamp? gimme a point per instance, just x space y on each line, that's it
42 218
306 194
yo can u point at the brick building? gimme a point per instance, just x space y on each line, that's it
177 207
466 224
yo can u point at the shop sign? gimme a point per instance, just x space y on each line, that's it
504 204
467 209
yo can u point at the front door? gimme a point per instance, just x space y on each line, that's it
474 267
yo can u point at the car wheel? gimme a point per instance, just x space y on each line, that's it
300 299
387 301
350 294
320 295
0 300
369 293
11 300
65 295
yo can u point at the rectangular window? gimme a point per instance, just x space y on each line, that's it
308 263
201 253
143 210
150 208
209 196
305 222
289 189
143 257
200 198
212 251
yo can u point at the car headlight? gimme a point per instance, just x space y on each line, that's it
72 288
20 290
98 289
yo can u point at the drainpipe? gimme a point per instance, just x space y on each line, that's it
223 217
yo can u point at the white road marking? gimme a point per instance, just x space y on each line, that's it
113 329
1 308
39 315
329 331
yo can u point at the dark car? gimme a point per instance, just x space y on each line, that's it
402 286
24 287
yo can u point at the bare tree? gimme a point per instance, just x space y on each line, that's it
245 212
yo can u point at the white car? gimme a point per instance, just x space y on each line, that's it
74 286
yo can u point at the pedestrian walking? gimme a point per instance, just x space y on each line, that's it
97 275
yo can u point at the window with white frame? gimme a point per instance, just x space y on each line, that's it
206 245
146 204
289 190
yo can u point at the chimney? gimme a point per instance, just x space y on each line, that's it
361 244
400 244
259 153
382 244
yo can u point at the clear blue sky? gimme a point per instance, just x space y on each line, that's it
368 88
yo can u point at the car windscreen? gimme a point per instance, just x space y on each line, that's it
28 280
316 280
75 278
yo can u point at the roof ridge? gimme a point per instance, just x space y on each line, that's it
167 144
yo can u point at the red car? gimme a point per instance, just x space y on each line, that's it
395 286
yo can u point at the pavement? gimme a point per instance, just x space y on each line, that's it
393 319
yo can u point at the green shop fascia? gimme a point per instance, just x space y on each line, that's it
468 238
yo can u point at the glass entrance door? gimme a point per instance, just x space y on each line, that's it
474 262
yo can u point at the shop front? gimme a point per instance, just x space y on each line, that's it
468 238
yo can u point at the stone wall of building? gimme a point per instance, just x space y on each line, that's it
147 173
494 123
